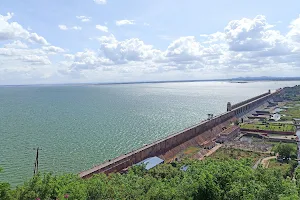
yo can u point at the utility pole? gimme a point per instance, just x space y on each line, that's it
36 163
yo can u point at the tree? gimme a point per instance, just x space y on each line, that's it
5 190
285 150
210 179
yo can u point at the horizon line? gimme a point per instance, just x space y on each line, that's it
237 79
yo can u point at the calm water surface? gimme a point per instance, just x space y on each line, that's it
80 126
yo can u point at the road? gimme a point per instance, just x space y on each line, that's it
265 161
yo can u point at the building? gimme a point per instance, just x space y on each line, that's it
151 162
184 168
296 123
208 144
272 104
228 134
263 112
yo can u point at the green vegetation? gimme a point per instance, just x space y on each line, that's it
286 155
291 93
238 154
4 190
270 127
208 180
286 150
293 111
190 151
286 169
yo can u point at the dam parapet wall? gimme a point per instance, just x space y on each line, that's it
162 146
252 103
249 100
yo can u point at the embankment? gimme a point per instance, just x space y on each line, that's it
248 100
269 132
169 146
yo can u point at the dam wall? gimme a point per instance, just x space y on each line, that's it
250 105
202 131
208 135
157 148
248 100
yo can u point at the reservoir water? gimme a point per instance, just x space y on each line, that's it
77 127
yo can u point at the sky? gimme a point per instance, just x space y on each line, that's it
95 41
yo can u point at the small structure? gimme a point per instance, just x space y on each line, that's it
151 162
275 117
208 144
297 123
261 117
228 134
184 168
210 116
263 112
229 108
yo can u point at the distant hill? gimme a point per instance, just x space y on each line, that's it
266 78
238 79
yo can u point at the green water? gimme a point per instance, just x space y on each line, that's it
80 126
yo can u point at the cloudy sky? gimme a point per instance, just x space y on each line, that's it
75 41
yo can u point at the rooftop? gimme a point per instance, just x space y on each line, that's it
229 130
151 162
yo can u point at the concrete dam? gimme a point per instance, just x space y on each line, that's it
168 147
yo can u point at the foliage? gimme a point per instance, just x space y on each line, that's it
292 111
4 190
286 169
270 126
292 93
210 179
286 150
227 153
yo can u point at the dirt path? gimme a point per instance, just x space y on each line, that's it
265 162
256 164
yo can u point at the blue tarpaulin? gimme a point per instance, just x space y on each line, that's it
184 168
151 162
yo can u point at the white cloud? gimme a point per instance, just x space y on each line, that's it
246 46
53 49
69 56
13 52
185 49
294 33
247 34
13 31
100 1
16 44
102 28
84 18
36 60
38 39
76 28
16 52
125 22
7 17
64 27
125 51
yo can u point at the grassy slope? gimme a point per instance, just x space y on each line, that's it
292 112
269 127
227 153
